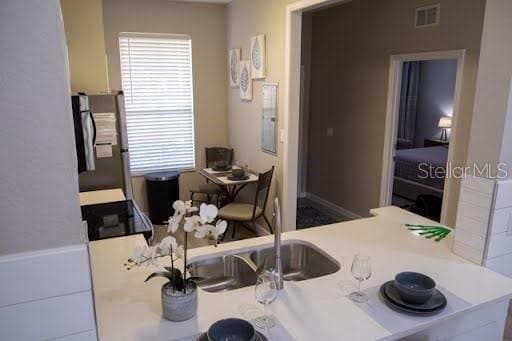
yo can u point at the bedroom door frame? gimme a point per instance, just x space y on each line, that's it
391 127
290 130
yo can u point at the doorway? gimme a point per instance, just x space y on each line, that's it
423 101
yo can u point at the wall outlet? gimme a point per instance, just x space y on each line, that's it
330 132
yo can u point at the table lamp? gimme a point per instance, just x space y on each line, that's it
445 123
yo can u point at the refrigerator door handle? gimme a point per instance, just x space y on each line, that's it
93 127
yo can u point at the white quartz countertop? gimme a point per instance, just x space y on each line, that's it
129 309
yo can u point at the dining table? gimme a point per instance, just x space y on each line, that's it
222 178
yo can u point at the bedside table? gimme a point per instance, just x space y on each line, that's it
433 143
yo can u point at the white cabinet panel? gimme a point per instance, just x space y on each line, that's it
501 264
48 318
501 220
59 271
471 225
503 194
467 252
499 245
470 239
490 332
472 211
476 198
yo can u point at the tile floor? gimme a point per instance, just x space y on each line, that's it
311 214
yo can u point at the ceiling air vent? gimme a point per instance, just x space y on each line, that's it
427 16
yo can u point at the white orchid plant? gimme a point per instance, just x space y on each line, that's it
202 225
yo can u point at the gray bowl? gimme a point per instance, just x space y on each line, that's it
238 173
231 329
414 287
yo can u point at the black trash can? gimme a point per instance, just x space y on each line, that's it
162 190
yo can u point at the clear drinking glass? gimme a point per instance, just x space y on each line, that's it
361 270
266 293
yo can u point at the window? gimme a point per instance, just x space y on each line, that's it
156 72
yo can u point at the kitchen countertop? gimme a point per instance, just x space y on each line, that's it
129 309
101 197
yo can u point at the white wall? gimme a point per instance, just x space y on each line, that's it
39 205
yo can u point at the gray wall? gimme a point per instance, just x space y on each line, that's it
39 205
435 98
352 44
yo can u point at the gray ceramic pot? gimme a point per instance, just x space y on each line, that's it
177 306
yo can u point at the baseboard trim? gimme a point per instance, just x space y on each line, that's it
333 208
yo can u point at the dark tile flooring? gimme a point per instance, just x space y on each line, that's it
310 214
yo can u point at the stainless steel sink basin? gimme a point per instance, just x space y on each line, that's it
300 260
222 273
235 269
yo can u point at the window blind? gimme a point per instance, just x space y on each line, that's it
156 72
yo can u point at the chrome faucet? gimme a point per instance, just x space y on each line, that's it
277 245
278 266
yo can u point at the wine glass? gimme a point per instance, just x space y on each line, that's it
266 293
361 270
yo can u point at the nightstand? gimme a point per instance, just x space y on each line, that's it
433 143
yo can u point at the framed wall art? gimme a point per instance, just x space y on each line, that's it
258 57
245 80
234 67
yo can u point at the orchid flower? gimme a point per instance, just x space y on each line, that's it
201 225
213 232
168 244
181 208
138 254
208 213
192 223
144 255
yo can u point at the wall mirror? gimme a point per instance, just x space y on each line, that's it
269 118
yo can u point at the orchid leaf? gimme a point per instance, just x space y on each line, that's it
175 277
163 274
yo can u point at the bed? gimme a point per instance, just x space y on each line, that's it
411 166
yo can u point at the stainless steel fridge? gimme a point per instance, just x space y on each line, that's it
108 166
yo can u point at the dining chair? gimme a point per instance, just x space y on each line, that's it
237 212
209 189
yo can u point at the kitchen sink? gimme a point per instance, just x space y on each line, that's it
237 269
222 273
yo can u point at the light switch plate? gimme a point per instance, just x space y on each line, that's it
282 135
